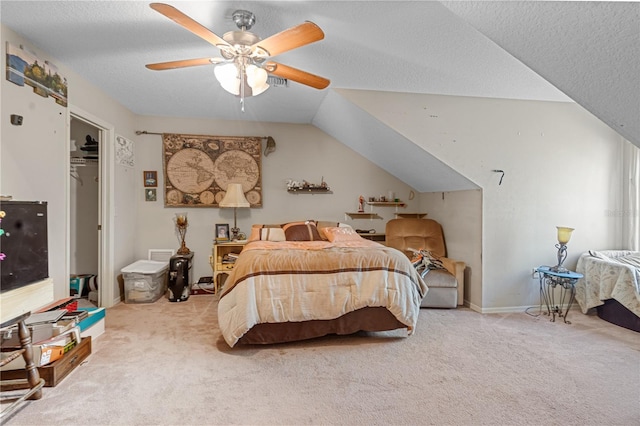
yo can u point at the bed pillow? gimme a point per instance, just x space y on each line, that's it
301 231
323 224
267 233
341 233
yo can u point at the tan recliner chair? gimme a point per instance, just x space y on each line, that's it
446 286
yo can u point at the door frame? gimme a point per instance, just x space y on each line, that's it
106 205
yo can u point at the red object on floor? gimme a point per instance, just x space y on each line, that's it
68 303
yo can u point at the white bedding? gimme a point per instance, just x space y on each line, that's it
612 274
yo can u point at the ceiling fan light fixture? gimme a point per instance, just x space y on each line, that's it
241 39
257 79
227 76
230 78
244 19
243 69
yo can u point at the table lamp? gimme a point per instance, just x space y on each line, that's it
234 198
564 235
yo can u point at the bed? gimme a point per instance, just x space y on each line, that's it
611 284
327 281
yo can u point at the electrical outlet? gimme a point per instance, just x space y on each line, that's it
535 273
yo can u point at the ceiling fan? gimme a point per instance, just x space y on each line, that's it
245 63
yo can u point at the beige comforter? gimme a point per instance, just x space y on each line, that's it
275 282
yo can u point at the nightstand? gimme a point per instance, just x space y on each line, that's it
566 281
378 237
221 261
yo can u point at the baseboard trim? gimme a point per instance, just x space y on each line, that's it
515 309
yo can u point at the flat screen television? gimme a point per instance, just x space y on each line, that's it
24 244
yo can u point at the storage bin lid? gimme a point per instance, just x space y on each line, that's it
145 267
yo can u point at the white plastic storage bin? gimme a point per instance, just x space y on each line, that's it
145 281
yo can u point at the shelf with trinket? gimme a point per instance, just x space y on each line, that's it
304 187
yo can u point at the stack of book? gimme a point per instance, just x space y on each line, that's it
61 335
57 341
89 320
230 258
203 286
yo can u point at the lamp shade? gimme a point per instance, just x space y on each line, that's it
233 75
257 79
227 76
234 197
564 234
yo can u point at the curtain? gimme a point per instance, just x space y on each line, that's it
631 194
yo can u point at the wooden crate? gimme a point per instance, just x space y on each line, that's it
56 371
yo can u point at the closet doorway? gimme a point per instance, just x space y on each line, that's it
89 202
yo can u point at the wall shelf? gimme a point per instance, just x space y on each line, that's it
363 215
411 215
81 161
309 191
386 203
371 214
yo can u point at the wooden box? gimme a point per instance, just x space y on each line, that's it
56 371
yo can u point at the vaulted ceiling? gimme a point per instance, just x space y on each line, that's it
554 51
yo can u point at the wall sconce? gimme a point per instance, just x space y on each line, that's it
564 235
271 146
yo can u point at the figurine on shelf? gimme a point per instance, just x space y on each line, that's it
361 204
292 184
304 185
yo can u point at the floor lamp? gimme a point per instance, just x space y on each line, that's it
234 198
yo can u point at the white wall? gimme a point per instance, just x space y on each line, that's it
303 152
561 169
29 154
34 158
561 164
460 214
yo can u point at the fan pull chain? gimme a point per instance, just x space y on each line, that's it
242 77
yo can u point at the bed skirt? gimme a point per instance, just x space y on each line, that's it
365 319
614 312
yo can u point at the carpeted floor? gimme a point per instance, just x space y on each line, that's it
167 364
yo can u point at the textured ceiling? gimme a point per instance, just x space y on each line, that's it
409 46
591 51
587 52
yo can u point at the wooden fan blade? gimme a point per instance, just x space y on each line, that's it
188 23
297 75
179 64
292 38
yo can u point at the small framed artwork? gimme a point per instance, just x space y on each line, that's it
150 194
150 179
222 232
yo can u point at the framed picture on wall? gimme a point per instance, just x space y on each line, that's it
150 178
222 232
150 194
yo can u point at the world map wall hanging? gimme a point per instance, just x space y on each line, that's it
198 168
